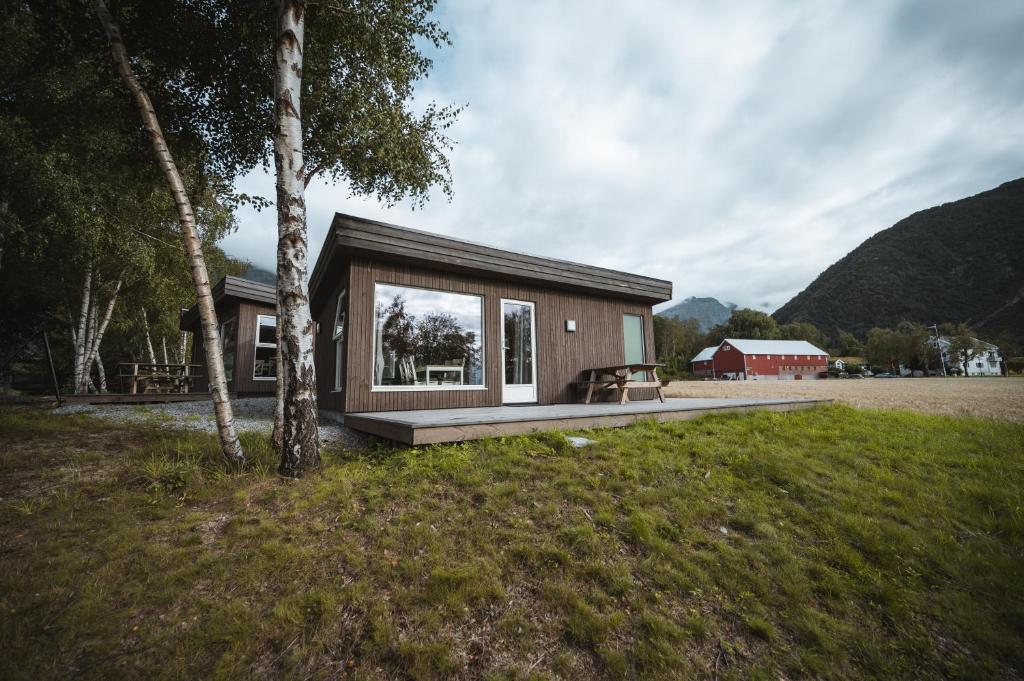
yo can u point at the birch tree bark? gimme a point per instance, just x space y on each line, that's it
98 333
278 435
163 341
149 341
83 320
229 443
101 373
182 359
300 447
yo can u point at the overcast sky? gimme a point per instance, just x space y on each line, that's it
736 149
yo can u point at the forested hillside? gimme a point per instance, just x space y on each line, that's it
958 262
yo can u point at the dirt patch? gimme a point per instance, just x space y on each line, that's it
1001 398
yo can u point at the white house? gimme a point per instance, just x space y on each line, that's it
984 361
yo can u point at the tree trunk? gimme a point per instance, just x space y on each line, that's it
101 372
83 320
96 336
278 436
300 435
149 341
163 341
229 443
89 337
182 358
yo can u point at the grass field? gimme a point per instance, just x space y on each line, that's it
832 543
995 397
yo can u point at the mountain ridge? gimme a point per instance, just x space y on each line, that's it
961 261
707 311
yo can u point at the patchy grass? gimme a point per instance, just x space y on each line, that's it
831 543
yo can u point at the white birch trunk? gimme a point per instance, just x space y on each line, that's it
101 372
163 341
230 445
90 333
182 358
98 333
149 341
300 436
83 320
278 435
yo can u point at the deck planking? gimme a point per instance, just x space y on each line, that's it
429 426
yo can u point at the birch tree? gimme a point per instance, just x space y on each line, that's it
300 440
230 444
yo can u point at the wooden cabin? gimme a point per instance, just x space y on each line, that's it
246 312
407 319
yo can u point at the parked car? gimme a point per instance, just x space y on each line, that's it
886 374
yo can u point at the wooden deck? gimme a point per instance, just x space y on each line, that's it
427 426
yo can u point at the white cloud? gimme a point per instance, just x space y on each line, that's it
736 150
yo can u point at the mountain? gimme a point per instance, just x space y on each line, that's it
254 273
958 262
707 311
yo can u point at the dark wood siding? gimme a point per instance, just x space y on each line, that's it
245 312
561 356
323 350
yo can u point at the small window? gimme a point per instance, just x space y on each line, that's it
265 360
338 336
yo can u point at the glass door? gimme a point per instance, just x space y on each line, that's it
519 365
633 341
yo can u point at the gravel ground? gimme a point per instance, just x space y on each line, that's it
1001 398
251 414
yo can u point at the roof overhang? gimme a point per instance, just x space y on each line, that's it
227 288
352 237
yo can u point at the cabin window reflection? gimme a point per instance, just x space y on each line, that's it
265 359
426 339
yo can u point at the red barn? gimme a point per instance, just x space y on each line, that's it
746 359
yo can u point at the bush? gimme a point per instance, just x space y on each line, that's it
1015 365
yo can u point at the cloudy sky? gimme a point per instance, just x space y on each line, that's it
736 148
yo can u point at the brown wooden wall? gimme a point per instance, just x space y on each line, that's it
561 356
245 312
323 350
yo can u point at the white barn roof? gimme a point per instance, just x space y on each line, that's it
774 347
705 354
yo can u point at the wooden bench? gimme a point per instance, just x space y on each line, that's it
622 378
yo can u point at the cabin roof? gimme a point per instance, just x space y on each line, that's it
351 236
231 287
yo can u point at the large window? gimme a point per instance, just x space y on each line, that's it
228 339
265 361
426 339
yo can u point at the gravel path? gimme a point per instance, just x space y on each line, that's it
251 414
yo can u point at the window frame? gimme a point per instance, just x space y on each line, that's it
428 388
257 345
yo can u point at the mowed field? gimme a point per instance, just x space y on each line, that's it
1001 398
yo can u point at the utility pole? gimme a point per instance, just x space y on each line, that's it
942 357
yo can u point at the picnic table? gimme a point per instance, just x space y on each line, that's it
623 377
157 378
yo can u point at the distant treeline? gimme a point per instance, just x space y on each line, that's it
678 341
